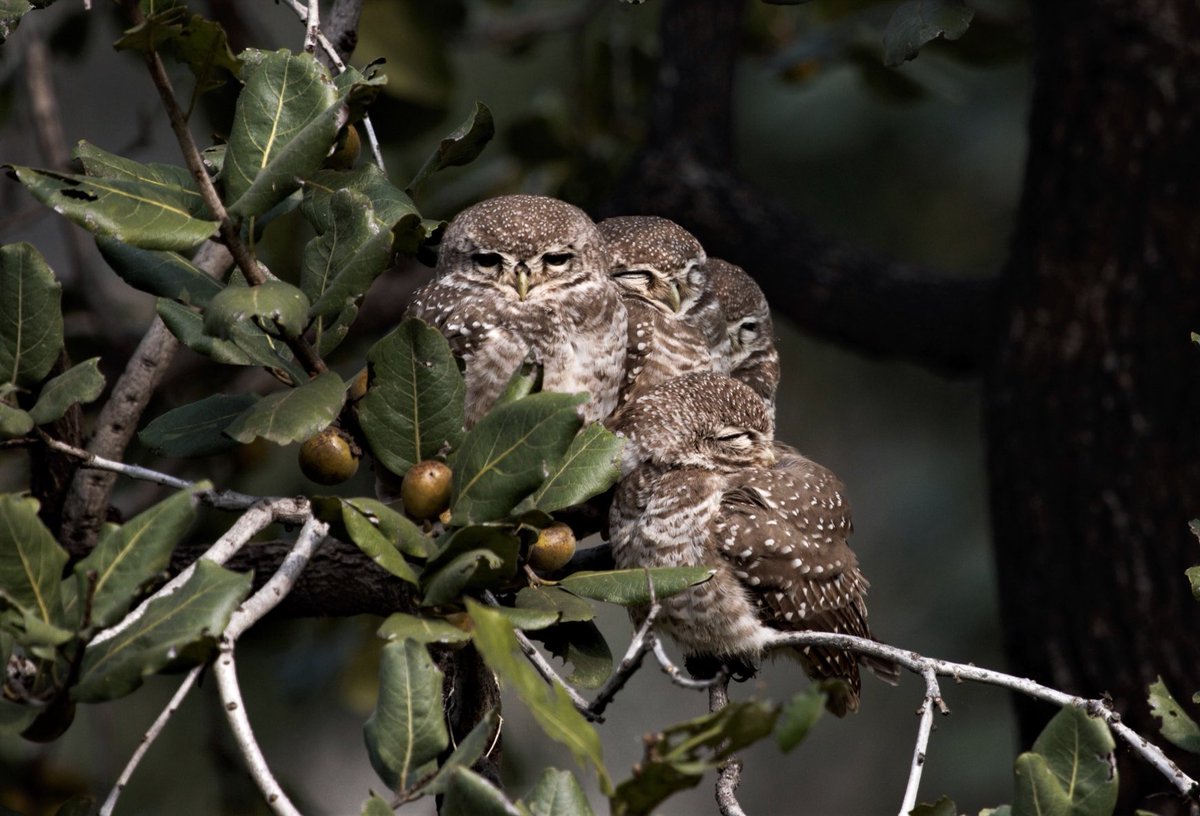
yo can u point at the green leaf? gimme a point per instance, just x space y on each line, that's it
557 793
80 383
584 647
78 805
250 344
1071 769
400 626
481 738
198 43
292 415
286 120
526 380
569 608
1193 576
377 806
508 454
130 556
164 274
798 717
944 806
11 12
407 731
170 180
548 703
528 619
1179 728
632 586
679 756
588 468
916 22
367 536
469 794
392 205
341 263
462 146
182 623
144 213
14 422
31 562
472 569
414 403
273 306
396 528
197 429
31 328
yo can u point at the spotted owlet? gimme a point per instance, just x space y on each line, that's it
659 268
742 339
701 487
519 273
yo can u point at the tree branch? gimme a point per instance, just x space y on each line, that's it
730 775
932 699
926 666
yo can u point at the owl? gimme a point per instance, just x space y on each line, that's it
519 274
742 339
702 486
658 266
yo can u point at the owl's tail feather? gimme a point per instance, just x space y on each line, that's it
886 670
836 672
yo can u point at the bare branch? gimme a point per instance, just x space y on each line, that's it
932 699
677 676
643 641
250 612
731 771
312 26
919 664
148 739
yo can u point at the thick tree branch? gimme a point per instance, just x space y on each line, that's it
830 289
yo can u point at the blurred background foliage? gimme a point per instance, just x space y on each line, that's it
921 162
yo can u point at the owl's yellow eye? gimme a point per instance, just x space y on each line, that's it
488 260
634 276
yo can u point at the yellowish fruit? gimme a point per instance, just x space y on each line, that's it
425 489
358 387
345 150
553 549
329 458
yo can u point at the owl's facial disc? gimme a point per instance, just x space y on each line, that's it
523 277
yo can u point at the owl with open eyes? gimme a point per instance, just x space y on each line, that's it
519 274
702 485
659 267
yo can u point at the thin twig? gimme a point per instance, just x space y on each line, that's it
731 770
643 641
919 664
932 700
543 667
677 676
230 236
312 26
338 63
132 471
148 739
225 668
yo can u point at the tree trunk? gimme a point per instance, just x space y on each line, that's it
1093 387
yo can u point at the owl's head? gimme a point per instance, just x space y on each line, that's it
701 420
524 246
744 308
656 260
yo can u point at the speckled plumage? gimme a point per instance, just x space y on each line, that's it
659 268
701 486
524 272
742 339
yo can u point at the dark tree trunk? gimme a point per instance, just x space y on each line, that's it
1093 388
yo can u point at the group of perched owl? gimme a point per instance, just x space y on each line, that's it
677 353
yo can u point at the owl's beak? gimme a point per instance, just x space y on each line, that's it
673 298
522 272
